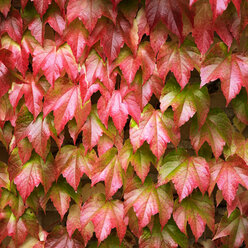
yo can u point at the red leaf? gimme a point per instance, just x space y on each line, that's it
216 131
76 36
203 30
187 173
34 172
108 169
19 56
105 215
73 219
156 128
72 163
65 101
54 61
180 60
89 11
33 93
231 69
142 160
4 175
41 6
112 41
146 59
128 64
59 194
92 130
37 131
95 69
147 200
168 11
13 26
236 227
191 210
158 36
118 106
228 175
55 20
190 101
59 238
5 7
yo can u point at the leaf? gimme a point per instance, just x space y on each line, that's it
128 64
158 36
8 224
235 227
219 6
34 172
198 211
53 61
169 237
190 101
228 175
92 130
105 215
76 36
203 30
37 130
72 163
168 12
41 6
13 25
89 11
240 107
186 172
216 131
61 195
180 60
19 56
156 128
142 160
14 201
112 42
65 101
230 68
4 176
33 93
147 200
5 7
169 93
95 69
109 170
121 103
59 238
55 19
110 242
73 220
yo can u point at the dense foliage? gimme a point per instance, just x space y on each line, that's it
98 100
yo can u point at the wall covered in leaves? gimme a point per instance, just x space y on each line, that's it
109 115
